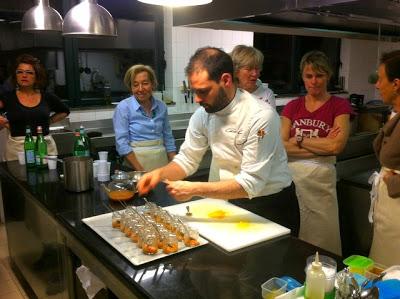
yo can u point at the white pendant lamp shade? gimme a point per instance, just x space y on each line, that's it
41 17
176 3
88 19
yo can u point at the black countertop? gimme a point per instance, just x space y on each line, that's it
204 272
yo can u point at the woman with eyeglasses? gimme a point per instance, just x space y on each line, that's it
248 63
143 135
29 105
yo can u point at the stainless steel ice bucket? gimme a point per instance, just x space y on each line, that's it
78 173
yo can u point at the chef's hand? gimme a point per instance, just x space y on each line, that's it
180 190
148 182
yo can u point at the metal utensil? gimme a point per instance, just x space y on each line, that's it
188 213
372 293
373 281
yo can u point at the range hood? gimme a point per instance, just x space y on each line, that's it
352 17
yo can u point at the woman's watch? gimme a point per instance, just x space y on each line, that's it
299 140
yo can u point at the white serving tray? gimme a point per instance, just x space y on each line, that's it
101 224
238 228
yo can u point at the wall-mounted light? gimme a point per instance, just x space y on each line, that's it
41 17
176 3
88 19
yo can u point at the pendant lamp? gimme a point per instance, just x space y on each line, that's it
176 3
41 17
88 19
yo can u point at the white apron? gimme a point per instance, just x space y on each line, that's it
16 144
384 213
151 154
315 181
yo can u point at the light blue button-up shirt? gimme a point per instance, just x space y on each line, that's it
132 124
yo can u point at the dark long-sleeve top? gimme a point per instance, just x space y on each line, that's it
20 116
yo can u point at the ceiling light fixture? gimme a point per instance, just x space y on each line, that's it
89 19
176 3
41 17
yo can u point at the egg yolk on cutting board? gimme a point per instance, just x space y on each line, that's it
218 214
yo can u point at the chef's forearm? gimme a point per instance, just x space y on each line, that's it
229 189
293 150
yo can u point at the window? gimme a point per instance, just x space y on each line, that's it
282 55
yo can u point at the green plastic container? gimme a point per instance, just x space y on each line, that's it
358 264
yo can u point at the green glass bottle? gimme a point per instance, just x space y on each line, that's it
79 147
29 148
85 140
40 149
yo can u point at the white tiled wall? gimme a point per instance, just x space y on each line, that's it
360 59
181 43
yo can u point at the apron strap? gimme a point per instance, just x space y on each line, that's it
374 181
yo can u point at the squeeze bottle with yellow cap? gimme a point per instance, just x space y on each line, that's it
315 280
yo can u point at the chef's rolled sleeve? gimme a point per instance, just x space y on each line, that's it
264 166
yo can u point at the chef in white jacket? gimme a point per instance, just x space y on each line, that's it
244 137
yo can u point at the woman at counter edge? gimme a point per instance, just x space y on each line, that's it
314 129
143 135
29 105
385 194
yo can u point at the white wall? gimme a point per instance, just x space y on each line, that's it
359 60
181 43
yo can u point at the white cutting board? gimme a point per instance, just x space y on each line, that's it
227 225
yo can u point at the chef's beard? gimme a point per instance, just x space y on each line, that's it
220 102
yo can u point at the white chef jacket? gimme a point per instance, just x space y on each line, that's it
245 142
264 93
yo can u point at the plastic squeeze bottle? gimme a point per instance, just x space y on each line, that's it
315 280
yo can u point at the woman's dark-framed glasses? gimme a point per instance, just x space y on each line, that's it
26 72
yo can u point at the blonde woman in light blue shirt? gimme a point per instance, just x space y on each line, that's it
143 135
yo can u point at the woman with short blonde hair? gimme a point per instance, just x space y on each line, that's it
248 63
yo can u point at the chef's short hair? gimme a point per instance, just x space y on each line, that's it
391 61
214 60
318 61
40 71
246 56
132 72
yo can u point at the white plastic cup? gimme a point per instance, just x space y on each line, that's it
103 177
52 162
103 155
95 168
102 168
21 158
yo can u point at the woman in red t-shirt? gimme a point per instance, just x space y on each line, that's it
314 129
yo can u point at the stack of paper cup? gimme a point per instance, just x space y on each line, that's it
103 172
21 158
52 162
103 155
